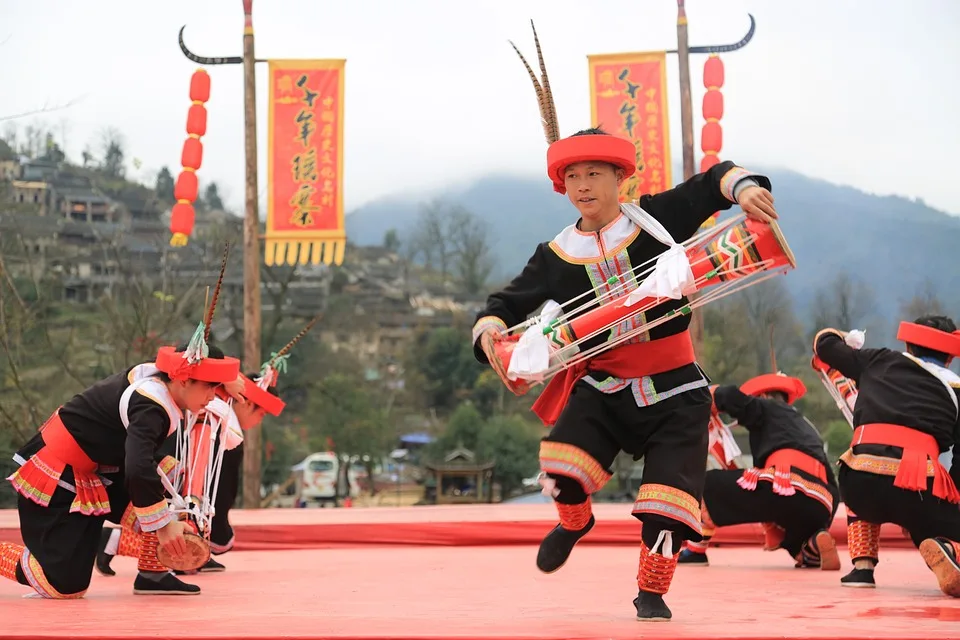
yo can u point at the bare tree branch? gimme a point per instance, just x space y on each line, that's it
43 109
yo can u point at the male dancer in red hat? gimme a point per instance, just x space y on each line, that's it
789 485
648 398
906 415
95 455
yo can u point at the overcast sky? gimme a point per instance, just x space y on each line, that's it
857 92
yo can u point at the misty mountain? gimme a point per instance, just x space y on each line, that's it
894 245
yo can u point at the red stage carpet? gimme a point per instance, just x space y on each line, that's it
494 592
453 525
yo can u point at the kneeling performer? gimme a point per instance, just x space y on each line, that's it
906 415
790 484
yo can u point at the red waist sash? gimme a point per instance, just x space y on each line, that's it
782 461
627 361
38 477
918 449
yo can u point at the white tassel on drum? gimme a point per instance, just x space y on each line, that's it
531 357
671 278
855 338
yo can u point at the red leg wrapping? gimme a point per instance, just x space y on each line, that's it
656 571
129 545
863 539
706 523
9 557
574 517
773 535
148 553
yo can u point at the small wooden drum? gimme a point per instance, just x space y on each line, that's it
197 555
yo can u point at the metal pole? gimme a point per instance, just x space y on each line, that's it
251 258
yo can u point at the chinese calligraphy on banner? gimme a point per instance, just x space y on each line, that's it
628 98
305 163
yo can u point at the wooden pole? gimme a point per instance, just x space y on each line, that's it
251 258
686 134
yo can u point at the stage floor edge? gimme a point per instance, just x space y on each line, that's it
449 525
496 593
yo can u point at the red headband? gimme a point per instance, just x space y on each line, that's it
215 370
930 338
597 148
262 398
793 387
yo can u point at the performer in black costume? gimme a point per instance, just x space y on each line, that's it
649 397
95 455
906 415
790 484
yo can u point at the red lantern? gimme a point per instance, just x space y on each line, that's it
712 105
197 120
711 137
200 86
192 156
187 187
713 73
707 162
182 218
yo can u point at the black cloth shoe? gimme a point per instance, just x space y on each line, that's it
860 579
165 585
557 545
693 558
103 558
651 607
212 566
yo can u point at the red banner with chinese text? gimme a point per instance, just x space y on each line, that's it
628 98
305 163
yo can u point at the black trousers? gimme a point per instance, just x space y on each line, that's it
65 544
874 499
671 437
800 515
221 533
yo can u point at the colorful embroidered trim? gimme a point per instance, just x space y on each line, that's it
573 462
574 517
669 502
170 467
879 465
707 527
656 571
487 322
38 580
154 517
795 482
863 539
728 182
91 497
147 559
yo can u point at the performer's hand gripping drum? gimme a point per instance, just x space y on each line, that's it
726 258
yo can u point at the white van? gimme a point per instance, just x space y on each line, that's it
319 475
319 481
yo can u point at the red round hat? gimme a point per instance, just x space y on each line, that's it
214 370
792 387
598 148
261 397
930 338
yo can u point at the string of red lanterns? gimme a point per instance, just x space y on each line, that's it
187 187
711 137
